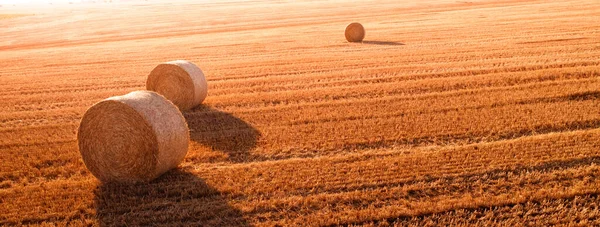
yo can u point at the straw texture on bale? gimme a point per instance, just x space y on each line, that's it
132 138
355 32
180 81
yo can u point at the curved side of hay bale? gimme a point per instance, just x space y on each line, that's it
180 81
132 138
355 32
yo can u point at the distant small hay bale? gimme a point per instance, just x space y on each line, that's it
132 138
182 82
355 32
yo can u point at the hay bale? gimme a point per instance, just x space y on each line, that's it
180 81
355 32
132 138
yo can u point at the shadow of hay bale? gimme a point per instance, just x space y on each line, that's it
386 43
177 198
222 132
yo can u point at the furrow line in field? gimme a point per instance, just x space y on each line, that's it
548 212
380 90
413 103
591 95
484 185
72 89
509 61
410 130
299 98
373 76
343 174
305 60
391 107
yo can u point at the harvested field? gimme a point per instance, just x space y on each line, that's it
9 16
476 113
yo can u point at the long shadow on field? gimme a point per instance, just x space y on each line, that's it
222 132
177 198
386 43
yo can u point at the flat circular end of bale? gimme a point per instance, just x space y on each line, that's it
132 138
181 82
355 32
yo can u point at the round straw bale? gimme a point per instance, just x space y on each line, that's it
180 81
355 32
132 138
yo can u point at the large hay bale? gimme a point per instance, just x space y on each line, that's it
180 81
355 32
132 138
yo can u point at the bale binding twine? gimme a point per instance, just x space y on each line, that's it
132 138
180 81
355 32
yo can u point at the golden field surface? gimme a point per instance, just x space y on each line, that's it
484 112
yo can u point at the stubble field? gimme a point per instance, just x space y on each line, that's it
450 112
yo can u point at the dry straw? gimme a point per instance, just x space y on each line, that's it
355 32
180 81
132 138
